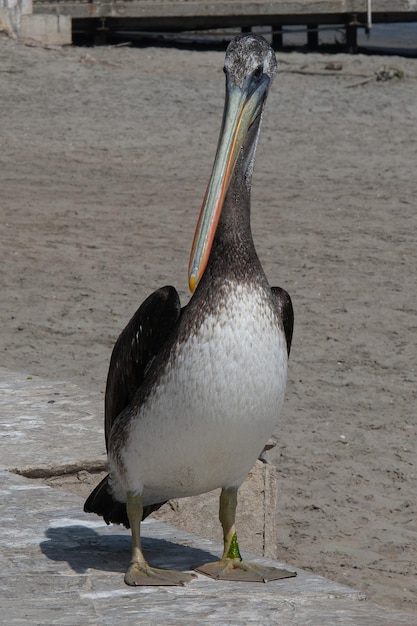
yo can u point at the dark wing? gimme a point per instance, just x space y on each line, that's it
283 305
136 348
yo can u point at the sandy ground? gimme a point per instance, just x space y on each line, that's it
105 154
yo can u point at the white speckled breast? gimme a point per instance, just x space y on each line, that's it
217 402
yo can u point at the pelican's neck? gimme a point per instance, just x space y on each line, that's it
233 253
234 228
233 240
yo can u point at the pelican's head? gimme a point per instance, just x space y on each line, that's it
250 67
249 54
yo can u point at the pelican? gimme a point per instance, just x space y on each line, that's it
194 393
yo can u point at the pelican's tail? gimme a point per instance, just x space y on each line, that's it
101 502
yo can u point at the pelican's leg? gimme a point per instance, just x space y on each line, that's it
139 572
231 566
227 516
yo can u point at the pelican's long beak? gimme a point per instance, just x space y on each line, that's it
243 105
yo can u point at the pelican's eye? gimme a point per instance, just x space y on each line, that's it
258 72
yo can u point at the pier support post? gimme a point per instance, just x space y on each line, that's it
277 37
312 36
352 35
101 32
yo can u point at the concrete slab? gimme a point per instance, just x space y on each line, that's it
48 425
62 566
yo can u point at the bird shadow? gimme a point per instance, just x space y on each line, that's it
83 548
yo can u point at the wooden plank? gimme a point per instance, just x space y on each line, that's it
199 14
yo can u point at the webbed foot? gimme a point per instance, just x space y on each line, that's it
238 570
142 575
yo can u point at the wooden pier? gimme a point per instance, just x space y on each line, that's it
101 18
